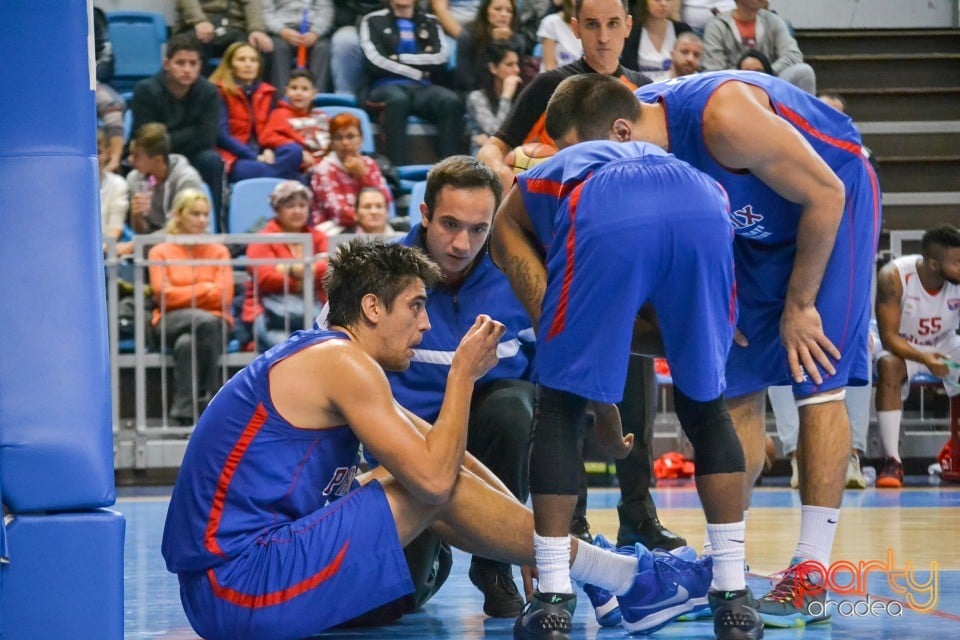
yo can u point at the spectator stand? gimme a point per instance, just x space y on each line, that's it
144 437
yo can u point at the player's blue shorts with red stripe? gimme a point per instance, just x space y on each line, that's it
843 300
306 576
639 229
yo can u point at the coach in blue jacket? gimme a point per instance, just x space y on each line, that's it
461 197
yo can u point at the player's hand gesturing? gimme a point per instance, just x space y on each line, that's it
477 352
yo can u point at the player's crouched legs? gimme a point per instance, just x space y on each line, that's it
304 577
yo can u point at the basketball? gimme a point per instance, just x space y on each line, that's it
528 155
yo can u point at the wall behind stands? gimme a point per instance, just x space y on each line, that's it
868 14
804 14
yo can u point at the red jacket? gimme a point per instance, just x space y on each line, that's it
246 118
269 280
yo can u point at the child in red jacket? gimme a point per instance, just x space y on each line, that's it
297 120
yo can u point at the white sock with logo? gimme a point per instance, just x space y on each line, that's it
818 526
553 563
706 535
729 553
605 569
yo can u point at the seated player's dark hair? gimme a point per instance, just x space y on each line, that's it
940 237
578 4
461 172
589 104
182 42
370 266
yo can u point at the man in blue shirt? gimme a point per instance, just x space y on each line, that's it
461 197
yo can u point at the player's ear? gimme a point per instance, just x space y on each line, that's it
371 308
621 130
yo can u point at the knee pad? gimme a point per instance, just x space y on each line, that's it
710 429
555 467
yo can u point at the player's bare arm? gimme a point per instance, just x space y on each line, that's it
470 463
492 154
743 132
514 250
888 311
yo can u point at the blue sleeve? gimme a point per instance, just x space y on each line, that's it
227 142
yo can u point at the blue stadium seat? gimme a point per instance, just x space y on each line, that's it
335 100
250 204
137 38
128 124
410 174
416 197
366 128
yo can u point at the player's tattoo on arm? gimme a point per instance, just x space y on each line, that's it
527 285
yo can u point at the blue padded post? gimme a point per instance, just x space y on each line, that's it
64 578
56 444
54 584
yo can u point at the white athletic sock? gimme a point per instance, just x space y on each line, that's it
889 424
605 569
706 535
553 564
818 525
729 553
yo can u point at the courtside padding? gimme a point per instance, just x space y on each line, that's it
64 578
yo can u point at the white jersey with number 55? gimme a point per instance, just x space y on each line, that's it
926 318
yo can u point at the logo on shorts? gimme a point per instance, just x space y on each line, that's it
953 304
747 222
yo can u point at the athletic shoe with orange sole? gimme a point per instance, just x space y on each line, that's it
891 474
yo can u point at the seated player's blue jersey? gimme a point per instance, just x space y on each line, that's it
248 472
545 186
757 212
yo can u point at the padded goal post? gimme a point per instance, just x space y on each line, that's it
65 551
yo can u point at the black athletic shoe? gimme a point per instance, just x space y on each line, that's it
546 616
580 528
501 599
735 615
651 534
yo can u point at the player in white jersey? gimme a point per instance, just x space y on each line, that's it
918 313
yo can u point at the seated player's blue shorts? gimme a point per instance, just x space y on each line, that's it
305 576
843 300
639 229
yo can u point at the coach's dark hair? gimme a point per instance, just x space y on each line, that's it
461 172
589 104
182 42
578 4
372 266
935 240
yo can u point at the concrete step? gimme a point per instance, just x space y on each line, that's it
899 41
865 70
899 103
913 210
919 173
931 138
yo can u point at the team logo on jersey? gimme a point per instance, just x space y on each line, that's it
340 482
747 223
953 304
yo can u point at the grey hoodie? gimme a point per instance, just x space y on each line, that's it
182 176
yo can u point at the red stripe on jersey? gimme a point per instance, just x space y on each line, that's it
802 123
226 476
560 319
547 187
544 187
251 601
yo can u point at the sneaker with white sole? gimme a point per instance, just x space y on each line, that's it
605 605
855 479
665 587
